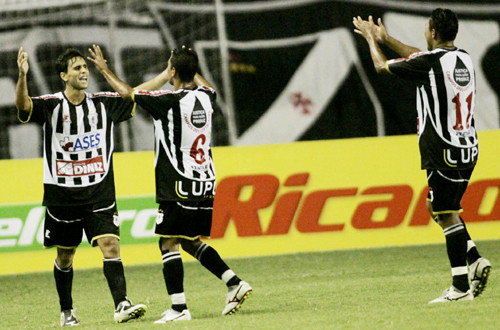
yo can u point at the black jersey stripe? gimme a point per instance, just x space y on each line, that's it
86 123
59 125
442 99
178 136
73 117
99 110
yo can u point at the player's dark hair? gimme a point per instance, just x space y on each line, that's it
185 62
63 59
445 23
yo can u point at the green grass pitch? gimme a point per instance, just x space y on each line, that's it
384 288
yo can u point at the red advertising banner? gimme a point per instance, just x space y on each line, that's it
270 199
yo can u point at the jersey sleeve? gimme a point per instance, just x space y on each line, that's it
40 105
210 92
415 67
118 108
156 103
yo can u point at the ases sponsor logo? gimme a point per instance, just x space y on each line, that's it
81 143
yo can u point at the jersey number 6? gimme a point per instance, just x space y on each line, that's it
197 153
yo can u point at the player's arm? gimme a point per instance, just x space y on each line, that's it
367 29
200 81
381 36
155 83
125 91
23 100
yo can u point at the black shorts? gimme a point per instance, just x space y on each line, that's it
65 225
446 188
188 219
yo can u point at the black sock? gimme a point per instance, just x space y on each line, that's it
211 260
64 283
456 246
173 274
472 252
235 280
179 307
115 275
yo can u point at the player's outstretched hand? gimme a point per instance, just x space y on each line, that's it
22 61
97 58
367 29
380 32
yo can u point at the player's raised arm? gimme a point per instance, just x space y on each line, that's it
381 36
125 91
200 81
23 101
155 83
368 30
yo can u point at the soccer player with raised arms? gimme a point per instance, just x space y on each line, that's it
185 174
446 92
79 189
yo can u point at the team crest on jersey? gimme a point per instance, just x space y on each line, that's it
93 119
461 74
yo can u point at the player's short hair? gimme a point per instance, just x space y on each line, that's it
63 59
185 62
445 23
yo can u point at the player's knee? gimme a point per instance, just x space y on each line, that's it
446 220
65 257
109 246
167 244
190 246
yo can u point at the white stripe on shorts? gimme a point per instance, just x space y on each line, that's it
194 208
105 208
61 220
452 180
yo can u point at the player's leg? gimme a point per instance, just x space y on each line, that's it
63 229
63 275
472 252
102 229
479 267
238 290
445 196
198 223
167 223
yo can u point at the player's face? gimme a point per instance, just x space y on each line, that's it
169 72
77 75
428 35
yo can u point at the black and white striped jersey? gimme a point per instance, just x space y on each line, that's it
78 145
184 169
446 94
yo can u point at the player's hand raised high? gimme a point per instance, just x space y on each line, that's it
97 58
22 61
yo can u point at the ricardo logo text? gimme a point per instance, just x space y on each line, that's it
304 210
